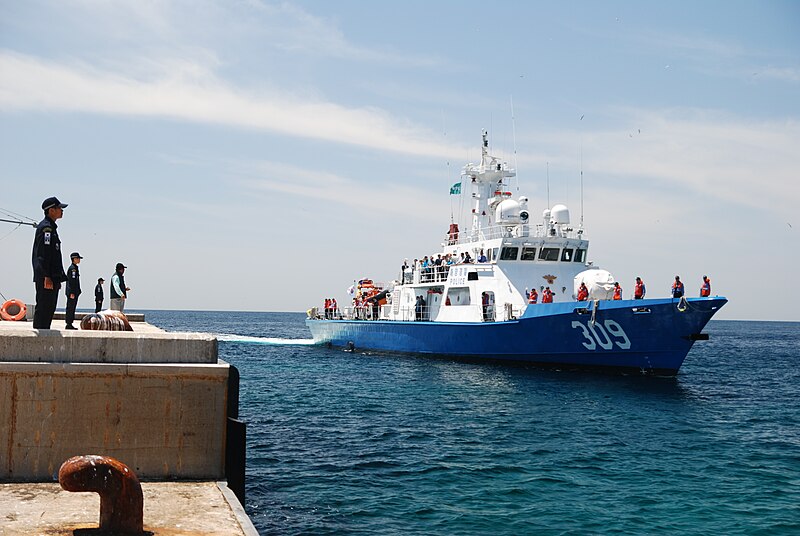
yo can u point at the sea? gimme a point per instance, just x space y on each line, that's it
345 442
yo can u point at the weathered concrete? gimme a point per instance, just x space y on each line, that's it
164 421
170 509
19 342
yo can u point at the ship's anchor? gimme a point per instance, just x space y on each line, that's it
594 310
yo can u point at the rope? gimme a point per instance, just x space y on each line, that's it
11 231
682 304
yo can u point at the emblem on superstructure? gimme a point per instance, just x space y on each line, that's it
550 278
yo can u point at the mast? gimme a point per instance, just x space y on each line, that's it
488 187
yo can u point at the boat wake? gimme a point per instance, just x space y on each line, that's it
275 341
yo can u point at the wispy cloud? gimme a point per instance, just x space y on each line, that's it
192 93
337 190
786 74
704 153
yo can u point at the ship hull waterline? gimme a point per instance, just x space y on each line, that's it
651 336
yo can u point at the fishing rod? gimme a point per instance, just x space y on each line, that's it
32 224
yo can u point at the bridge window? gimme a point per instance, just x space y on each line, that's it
528 254
548 254
566 255
580 255
509 254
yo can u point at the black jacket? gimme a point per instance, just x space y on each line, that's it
112 292
98 292
73 280
46 256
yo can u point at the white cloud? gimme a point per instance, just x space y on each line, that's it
192 93
786 74
339 191
752 163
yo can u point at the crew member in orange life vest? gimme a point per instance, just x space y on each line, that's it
639 290
547 295
617 291
677 287
705 290
533 297
583 292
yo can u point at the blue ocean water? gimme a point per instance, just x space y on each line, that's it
359 443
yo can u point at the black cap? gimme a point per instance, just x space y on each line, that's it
120 265
75 255
52 202
100 280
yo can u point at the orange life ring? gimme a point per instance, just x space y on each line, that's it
13 305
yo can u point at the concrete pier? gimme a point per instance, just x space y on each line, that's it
156 401
170 508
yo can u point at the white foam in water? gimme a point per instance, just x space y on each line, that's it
227 337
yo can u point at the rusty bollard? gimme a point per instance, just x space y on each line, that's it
121 501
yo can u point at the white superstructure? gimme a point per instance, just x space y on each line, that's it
519 255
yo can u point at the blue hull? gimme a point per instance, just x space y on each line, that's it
649 336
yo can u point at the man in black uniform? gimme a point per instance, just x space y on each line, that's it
48 267
98 295
73 288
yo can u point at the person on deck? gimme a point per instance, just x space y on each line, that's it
73 289
617 291
533 297
583 292
639 290
48 267
419 308
677 287
547 295
482 257
705 290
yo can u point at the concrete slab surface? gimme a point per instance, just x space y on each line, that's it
58 324
19 342
170 509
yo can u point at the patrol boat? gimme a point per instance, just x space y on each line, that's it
481 310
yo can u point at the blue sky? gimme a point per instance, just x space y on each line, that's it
260 156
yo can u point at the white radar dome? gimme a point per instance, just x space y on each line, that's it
507 212
559 214
599 282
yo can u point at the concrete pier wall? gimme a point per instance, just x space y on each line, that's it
156 401
54 346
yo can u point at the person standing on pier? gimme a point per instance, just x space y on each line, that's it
48 267
119 292
73 288
98 295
